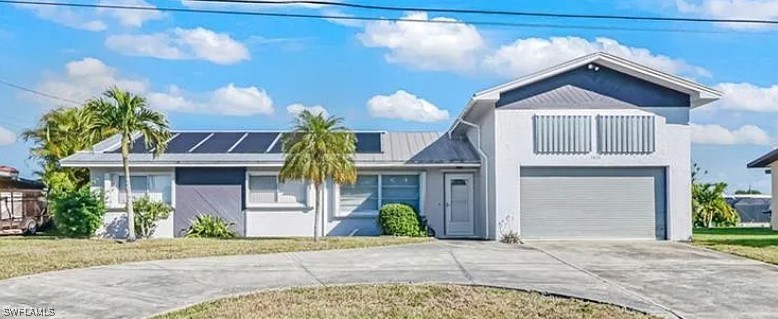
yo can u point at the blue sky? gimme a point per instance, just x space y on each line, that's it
243 72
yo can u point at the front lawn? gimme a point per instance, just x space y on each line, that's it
755 243
401 301
29 255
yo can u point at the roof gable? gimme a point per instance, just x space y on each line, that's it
590 81
699 94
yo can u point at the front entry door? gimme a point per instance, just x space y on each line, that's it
459 205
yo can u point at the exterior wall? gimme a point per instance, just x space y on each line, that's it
280 220
514 148
115 219
774 215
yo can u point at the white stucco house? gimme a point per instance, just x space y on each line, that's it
596 148
769 162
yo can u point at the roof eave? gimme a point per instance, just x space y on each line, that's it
764 160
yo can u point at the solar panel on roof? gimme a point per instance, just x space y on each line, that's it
218 143
255 143
277 148
184 142
368 142
138 146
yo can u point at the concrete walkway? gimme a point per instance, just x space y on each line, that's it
666 279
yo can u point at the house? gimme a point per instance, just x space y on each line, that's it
769 162
597 147
753 209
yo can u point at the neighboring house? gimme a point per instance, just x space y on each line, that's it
597 147
769 162
754 209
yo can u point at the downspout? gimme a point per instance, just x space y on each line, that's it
485 168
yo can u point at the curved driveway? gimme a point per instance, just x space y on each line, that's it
666 279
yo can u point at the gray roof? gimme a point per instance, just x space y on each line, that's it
569 96
764 160
752 209
399 149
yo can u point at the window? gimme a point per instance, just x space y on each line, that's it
156 187
370 192
625 134
562 134
266 189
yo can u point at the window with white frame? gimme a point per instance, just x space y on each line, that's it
156 187
370 192
267 189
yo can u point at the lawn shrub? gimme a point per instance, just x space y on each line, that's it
208 226
400 220
147 213
77 212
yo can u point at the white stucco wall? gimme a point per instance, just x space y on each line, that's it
115 219
774 215
513 148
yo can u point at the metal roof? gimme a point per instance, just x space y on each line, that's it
765 160
398 149
567 97
752 209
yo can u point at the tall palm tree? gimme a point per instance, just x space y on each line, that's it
58 134
319 148
129 115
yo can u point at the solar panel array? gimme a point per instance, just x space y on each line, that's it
241 143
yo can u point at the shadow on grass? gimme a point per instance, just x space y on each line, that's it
735 231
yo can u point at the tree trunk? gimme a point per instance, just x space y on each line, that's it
317 212
128 189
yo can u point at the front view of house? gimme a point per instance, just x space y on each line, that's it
594 148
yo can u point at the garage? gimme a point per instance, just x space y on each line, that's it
576 202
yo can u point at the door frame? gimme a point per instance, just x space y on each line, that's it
447 177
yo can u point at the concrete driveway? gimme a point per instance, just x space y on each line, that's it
667 279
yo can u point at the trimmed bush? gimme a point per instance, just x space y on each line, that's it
77 213
400 220
147 213
207 226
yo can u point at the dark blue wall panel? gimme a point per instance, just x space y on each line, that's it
212 191
607 82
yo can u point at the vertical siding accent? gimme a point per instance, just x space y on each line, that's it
562 134
625 134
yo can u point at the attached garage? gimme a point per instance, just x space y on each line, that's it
576 202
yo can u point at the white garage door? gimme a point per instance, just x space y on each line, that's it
592 203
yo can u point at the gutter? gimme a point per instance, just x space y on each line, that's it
485 168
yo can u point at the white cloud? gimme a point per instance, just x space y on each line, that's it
86 78
181 44
71 17
130 18
6 136
229 100
528 55
297 108
405 106
428 46
748 97
96 19
716 134
732 9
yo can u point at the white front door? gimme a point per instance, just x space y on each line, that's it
459 205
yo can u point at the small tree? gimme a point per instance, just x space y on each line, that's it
128 114
317 149
710 208
148 213
78 212
748 191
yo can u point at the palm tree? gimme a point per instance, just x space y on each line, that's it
318 148
129 115
58 134
709 206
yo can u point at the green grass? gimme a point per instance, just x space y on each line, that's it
755 243
401 301
35 254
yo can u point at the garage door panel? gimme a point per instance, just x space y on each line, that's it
592 202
